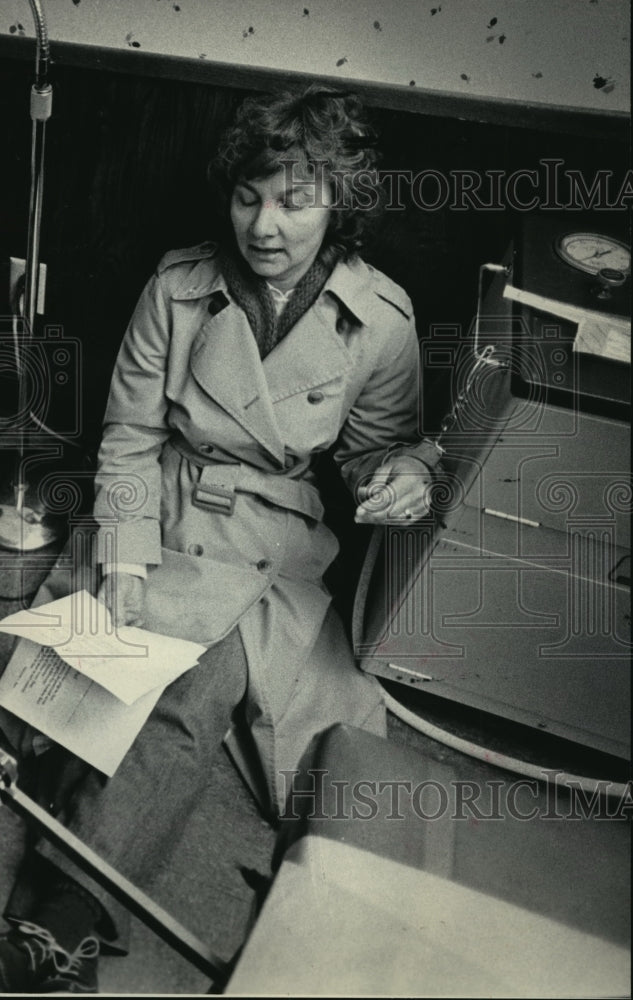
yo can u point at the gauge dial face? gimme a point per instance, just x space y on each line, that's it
592 252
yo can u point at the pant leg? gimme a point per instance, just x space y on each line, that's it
135 817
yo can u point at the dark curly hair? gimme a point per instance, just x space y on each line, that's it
317 126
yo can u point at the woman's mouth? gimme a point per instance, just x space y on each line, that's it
266 253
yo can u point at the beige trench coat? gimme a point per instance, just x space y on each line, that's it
204 476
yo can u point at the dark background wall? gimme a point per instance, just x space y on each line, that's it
125 181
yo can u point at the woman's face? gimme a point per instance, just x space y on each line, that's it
279 224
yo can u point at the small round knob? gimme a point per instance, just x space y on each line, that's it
609 278
612 276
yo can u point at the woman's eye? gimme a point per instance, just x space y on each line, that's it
245 199
293 204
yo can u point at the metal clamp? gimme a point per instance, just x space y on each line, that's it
208 496
497 269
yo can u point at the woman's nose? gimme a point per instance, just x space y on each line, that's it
264 222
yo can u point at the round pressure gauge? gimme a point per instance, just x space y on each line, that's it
592 252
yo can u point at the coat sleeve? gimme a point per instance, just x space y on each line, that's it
128 480
386 417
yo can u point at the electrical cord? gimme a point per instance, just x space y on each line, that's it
578 783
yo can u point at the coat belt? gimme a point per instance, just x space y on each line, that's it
220 481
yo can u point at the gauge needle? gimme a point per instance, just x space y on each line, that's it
597 253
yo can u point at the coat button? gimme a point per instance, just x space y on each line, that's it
342 325
195 550
217 303
263 565
206 449
315 396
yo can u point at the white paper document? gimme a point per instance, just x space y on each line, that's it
72 710
84 684
566 310
126 661
606 339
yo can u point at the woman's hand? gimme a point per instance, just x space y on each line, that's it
122 594
397 491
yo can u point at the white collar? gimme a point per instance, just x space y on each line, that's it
278 295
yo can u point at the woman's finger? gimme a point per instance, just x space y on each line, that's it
408 500
113 593
134 619
413 499
373 487
134 589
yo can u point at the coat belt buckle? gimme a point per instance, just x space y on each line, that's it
212 497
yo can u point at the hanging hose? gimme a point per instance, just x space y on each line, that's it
576 782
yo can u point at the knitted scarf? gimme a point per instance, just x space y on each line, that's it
253 295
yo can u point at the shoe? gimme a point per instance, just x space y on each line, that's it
31 961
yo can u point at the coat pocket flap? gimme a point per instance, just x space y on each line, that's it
198 599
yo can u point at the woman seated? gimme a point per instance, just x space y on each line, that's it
246 358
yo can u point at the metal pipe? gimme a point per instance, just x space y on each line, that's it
497 269
42 57
41 109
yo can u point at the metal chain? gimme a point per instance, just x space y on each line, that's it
481 358
451 417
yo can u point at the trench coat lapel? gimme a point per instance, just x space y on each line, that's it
225 362
313 352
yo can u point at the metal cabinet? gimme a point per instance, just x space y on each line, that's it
515 598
